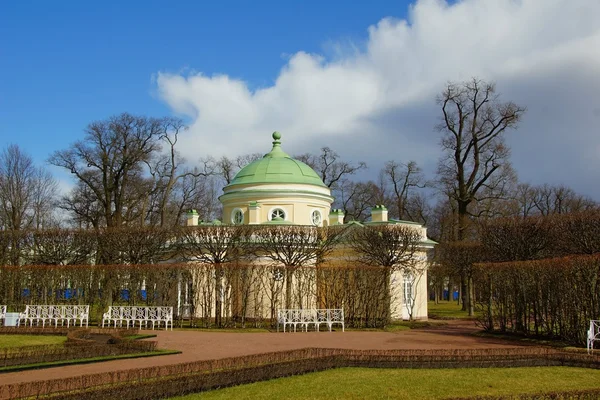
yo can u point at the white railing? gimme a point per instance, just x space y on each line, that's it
593 334
307 317
55 313
132 315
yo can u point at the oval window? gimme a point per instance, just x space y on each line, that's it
315 218
237 217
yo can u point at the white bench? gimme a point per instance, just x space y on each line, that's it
306 317
133 315
56 314
593 334
2 313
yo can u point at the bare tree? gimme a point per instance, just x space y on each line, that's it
518 239
413 275
474 121
139 245
560 200
168 175
529 200
61 247
579 232
293 247
392 247
458 258
214 245
329 167
227 168
110 160
27 192
525 198
357 198
83 208
404 179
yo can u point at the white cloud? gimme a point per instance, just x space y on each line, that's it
377 103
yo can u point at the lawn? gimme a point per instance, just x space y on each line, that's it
14 341
415 384
446 310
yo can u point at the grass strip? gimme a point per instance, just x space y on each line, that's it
140 336
447 310
62 363
16 341
413 384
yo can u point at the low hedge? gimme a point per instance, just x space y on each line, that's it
180 379
78 346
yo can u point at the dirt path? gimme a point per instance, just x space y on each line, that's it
212 345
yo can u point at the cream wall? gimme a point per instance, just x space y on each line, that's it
418 287
298 201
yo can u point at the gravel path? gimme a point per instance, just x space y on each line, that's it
212 345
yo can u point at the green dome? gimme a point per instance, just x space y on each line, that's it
277 167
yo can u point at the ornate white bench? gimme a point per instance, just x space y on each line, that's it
593 334
132 315
56 314
306 317
2 313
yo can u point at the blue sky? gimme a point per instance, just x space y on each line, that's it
360 77
67 63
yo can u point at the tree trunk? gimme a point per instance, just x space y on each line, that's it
218 301
289 274
464 292
471 296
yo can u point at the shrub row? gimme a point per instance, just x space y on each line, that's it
553 297
78 346
250 293
26 330
539 237
179 379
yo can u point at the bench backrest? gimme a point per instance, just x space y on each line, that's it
302 315
140 312
336 314
56 311
165 313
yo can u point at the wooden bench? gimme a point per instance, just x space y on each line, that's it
593 334
155 315
2 313
56 314
307 317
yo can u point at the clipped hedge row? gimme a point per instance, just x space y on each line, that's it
78 346
250 294
179 379
552 297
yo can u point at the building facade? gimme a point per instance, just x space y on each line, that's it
280 190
